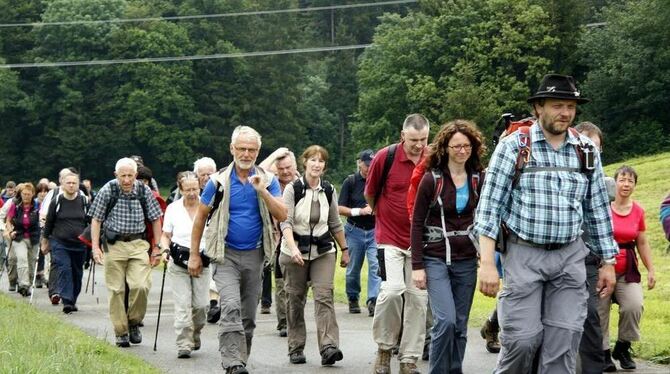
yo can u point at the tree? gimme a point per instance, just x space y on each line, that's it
629 77
473 59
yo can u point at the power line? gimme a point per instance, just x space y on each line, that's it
217 56
206 16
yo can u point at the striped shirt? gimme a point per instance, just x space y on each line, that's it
126 217
546 206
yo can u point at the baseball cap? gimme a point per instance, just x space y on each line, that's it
366 156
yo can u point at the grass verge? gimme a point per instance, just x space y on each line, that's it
34 342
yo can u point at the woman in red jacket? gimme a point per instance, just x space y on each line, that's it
444 258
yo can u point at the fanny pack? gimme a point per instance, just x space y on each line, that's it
324 243
180 255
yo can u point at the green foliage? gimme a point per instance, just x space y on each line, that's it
472 59
629 77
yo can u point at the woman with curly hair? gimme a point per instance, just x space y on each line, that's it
444 257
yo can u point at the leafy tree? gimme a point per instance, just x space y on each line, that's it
473 59
629 77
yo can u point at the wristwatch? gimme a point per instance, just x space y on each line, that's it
609 261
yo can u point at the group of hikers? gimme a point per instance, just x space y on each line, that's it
430 219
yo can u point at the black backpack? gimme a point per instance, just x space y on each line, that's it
299 189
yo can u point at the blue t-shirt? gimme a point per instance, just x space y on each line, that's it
462 196
245 228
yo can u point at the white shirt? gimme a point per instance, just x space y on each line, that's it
179 223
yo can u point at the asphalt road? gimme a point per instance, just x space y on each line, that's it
269 351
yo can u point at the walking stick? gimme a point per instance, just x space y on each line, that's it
32 285
93 284
88 278
160 305
5 261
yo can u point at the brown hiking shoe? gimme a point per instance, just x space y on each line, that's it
408 368
383 362
490 334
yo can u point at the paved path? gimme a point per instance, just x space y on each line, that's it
269 352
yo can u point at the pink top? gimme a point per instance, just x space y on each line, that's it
626 229
25 219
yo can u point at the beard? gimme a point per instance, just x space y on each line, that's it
244 165
553 127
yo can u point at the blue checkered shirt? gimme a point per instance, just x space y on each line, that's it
127 216
545 206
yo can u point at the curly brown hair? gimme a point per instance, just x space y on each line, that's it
438 155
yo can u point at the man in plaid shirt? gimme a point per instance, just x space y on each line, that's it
126 256
543 301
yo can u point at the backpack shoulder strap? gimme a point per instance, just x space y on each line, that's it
298 191
114 193
142 196
438 183
475 182
523 157
328 189
388 162
218 195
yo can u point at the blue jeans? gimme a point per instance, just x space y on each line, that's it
361 243
69 266
450 290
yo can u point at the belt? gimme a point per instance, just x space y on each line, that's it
514 238
129 237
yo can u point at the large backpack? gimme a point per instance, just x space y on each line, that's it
388 162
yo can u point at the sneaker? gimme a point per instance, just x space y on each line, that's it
283 333
55 299
372 304
490 334
135 334
265 309
68 308
408 368
122 341
353 307
330 355
214 312
184 353
237 369
609 366
621 353
383 362
297 358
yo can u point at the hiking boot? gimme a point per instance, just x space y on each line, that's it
237 369
354 308
122 341
425 356
68 308
490 334
283 333
371 304
330 355
297 358
12 287
214 312
265 309
184 353
55 299
408 368
197 343
621 352
608 366
24 291
135 334
383 362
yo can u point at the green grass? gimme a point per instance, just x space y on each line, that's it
653 186
34 342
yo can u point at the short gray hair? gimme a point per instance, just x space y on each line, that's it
239 130
416 121
126 161
203 162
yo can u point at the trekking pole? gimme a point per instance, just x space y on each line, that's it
88 278
93 284
32 285
160 305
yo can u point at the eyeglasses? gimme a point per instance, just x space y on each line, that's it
251 151
460 147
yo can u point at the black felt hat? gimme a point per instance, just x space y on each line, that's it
556 86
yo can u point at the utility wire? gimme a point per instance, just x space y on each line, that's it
217 56
206 16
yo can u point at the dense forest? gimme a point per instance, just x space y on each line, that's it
472 59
